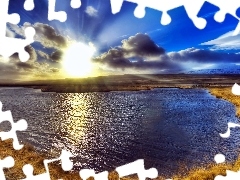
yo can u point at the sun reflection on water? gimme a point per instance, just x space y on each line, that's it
73 111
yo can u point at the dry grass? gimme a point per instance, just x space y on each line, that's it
28 155
226 93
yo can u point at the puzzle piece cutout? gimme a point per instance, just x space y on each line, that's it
137 167
60 15
236 89
87 173
75 4
21 125
230 125
140 12
66 164
29 5
192 8
7 162
230 176
226 7
9 45
219 158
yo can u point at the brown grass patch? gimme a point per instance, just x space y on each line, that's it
226 94
27 155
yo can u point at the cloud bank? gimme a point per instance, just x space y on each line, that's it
140 52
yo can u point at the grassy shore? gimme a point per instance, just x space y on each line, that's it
29 155
226 93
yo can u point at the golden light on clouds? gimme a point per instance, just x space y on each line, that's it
77 60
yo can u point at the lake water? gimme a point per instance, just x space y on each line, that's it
166 127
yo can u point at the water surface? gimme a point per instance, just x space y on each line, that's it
166 127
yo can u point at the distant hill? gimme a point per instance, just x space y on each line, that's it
215 71
223 69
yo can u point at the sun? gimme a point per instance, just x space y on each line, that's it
77 60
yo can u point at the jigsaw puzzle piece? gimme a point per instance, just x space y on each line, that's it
192 8
28 171
116 6
87 173
12 45
236 89
66 164
161 5
9 45
227 7
137 167
230 125
60 15
29 5
21 125
75 4
5 17
165 19
140 12
52 14
219 158
7 162
230 175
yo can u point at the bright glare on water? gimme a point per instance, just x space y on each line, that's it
166 127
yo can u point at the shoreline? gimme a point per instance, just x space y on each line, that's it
129 82
226 94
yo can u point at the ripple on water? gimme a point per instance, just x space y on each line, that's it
166 127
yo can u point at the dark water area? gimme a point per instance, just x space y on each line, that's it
168 128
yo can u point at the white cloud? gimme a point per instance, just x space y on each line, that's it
91 11
225 42
45 34
42 54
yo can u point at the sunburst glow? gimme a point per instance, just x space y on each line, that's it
77 60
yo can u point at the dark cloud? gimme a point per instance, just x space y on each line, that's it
45 34
48 37
24 66
56 56
141 45
140 52
113 59
132 53
204 56
135 52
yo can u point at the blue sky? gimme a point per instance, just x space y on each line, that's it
114 38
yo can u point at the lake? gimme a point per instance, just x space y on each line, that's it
168 127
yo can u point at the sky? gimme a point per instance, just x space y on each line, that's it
93 41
